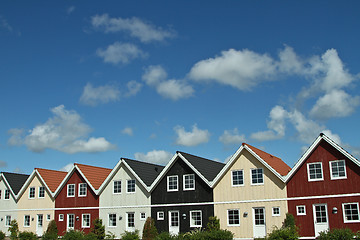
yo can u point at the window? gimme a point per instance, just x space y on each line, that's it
130 220
195 218
27 221
70 221
48 217
237 177
276 211
41 192
71 190
315 171
160 215
172 183
117 187
32 192
82 189
233 217
351 212
112 220
337 169
142 216
61 217
7 220
257 177
0 193
300 210
130 186
7 194
189 182
85 221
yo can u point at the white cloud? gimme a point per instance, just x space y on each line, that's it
156 156
193 138
128 131
133 88
4 24
64 132
120 53
16 138
232 137
93 96
67 167
70 10
145 32
156 76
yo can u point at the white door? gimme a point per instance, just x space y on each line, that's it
130 221
70 222
174 222
39 225
259 222
321 222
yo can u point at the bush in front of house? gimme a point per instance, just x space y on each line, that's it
73 235
130 235
337 234
213 224
99 229
149 232
51 231
27 236
2 235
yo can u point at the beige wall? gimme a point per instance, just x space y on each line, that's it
36 203
273 188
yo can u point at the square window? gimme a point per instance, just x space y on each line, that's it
48 217
196 218
351 212
41 192
160 215
131 186
82 189
27 221
142 216
172 183
85 220
233 217
117 186
112 220
7 194
71 190
7 221
276 211
130 220
257 177
237 177
61 217
32 192
189 182
300 210
337 169
315 171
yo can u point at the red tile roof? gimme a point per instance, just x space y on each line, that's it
95 175
52 178
276 163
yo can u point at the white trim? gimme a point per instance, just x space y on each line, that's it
130 228
228 220
113 187
298 213
108 222
158 217
6 220
358 214
82 220
177 183
68 221
61 217
191 188
251 179
40 191
7 191
308 172
191 219
67 190
232 178
30 192
127 186
79 190
26 226
277 214
331 173
141 217
48 217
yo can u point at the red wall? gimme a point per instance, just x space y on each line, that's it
62 201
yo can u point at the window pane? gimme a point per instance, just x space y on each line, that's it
237 177
234 217
257 176
173 183
315 171
112 220
195 219
117 186
131 219
131 185
189 181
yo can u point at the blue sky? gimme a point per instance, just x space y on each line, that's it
94 81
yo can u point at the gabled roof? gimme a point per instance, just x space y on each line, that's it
206 169
274 164
318 140
15 181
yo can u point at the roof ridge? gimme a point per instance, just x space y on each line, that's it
157 165
50 170
263 151
199 157
86 165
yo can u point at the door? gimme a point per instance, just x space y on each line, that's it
70 222
174 222
321 222
259 222
39 225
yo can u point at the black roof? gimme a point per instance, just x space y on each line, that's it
208 168
15 180
146 171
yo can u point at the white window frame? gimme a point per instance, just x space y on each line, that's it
79 189
32 188
331 172
251 178
25 217
61 217
275 214
358 214
189 188
298 213
82 220
43 190
228 220
177 183
130 228
48 217
160 215
68 221
67 190
7 194
7 220
143 216
115 221
114 187
308 172
127 185
191 219
232 178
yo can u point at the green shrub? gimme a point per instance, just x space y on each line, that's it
73 235
110 236
99 229
2 235
149 232
289 221
130 235
14 230
165 236
51 231
337 234
90 236
213 224
27 236
284 233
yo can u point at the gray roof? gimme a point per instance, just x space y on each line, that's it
146 171
208 168
15 180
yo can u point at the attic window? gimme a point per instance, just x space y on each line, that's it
32 192
315 172
189 182
71 190
7 194
41 192
172 183
337 169
257 176
82 189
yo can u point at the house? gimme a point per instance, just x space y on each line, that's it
36 200
77 199
250 193
323 189
181 196
10 185
125 196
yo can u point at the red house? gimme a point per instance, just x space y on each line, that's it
77 199
323 189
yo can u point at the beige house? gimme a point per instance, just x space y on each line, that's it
36 202
250 193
